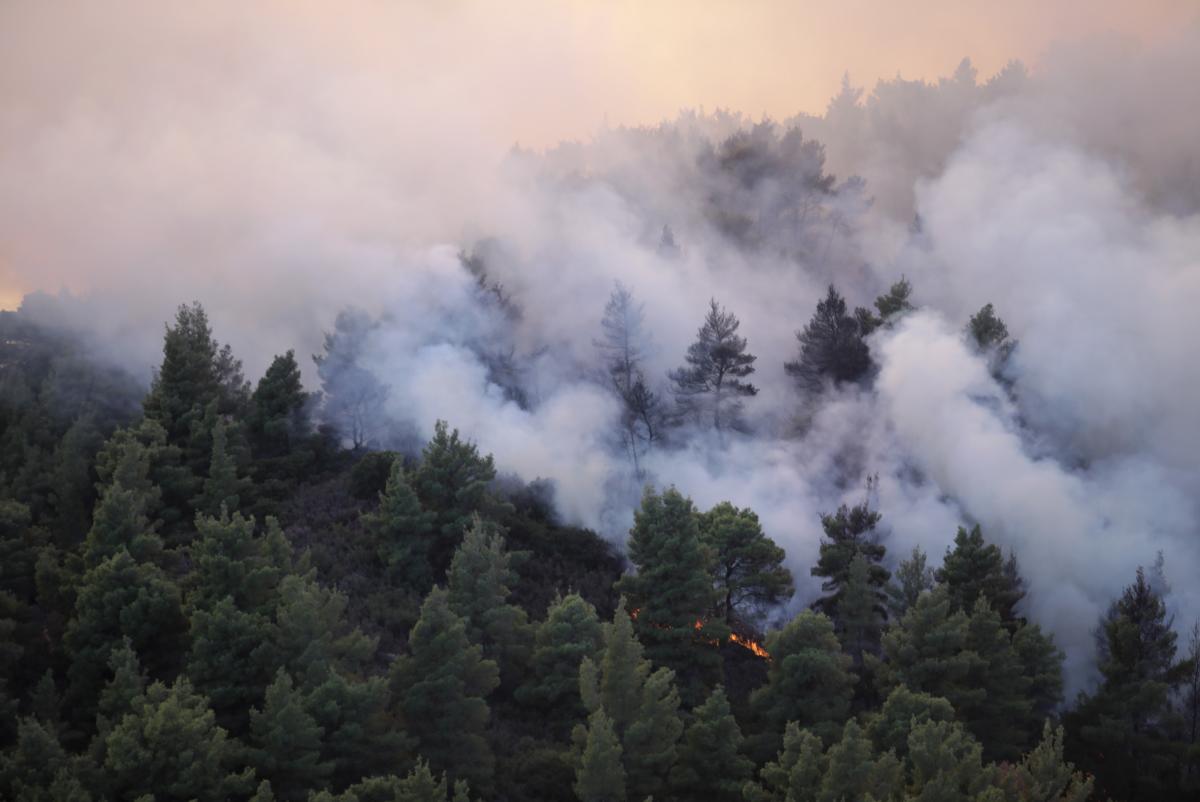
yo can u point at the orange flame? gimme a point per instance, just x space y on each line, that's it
749 644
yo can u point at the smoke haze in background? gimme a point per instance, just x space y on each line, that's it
281 166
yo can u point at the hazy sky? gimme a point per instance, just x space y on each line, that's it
435 90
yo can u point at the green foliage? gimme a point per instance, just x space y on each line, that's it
848 532
286 742
224 491
453 480
171 747
986 328
1124 729
672 590
38 769
901 712
860 620
831 347
711 764
479 582
747 566
441 688
403 531
570 634
121 598
809 682
600 776
710 386
975 568
312 634
912 577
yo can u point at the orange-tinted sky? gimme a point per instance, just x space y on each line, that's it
430 92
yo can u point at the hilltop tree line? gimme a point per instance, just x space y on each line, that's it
204 595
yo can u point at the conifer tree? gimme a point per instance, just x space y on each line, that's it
945 762
854 771
570 633
831 347
911 578
38 769
975 568
795 774
748 570
615 683
651 739
121 598
600 776
1043 774
808 682
672 591
452 481
927 652
860 621
403 532
223 490
903 710
1123 729
279 409
621 346
848 532
479 586
286 742
1000 718
711 764
172 748
231 661
312 635
125 691
361 737
441 688
710 387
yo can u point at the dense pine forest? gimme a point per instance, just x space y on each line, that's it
212 590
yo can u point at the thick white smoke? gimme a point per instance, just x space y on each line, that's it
301 178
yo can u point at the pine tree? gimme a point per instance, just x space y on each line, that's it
621 344
1000 719
286 742
452 481
975 568
231 661
1042 667
903 710
312 635
615 683
831 347
848 532
127 498
403 532
171 747
927 652
279 409
570 633
710 386
1121 731
795 774
479 586
860 620
125 691
651 739
855 772
1044 774
600 776
121 598
672 591
711 764
224 491
911 578
809 682
38 769
748 569
945 762
353 397
441 688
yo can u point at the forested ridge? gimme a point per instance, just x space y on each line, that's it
210 592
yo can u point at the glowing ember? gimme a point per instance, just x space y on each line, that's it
746 643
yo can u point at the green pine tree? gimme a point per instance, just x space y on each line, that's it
441 688
223 490
171 747
672 591
600 776
403 532
848 532
711 764
286 742
748 569
808 682
479 585
975 568
911 578
570 634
